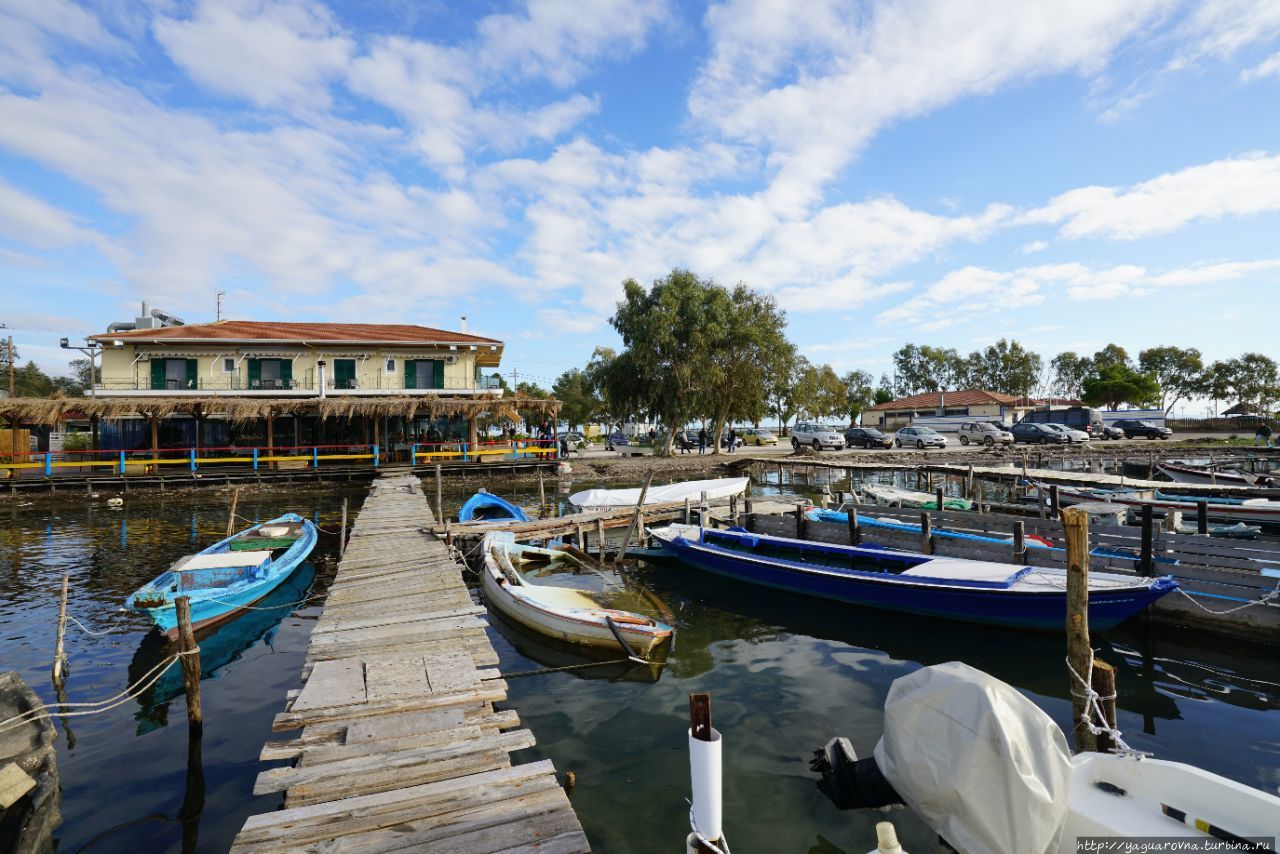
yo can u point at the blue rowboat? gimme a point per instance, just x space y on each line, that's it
228 576
975 591
487 507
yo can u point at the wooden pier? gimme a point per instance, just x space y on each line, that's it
400 744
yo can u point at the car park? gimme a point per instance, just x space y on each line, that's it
758 436
1072 435
1084 418
816 436
1031 433
983 433
866 437
1134 428
919 437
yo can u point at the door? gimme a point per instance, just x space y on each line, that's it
344 373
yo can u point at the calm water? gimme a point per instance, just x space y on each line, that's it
785 673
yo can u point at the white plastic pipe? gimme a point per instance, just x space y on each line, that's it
704 771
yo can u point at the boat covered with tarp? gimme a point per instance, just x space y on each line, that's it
895 496
229 576
671 493
484 506
1256 511
1031 597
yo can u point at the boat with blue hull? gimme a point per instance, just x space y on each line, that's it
484 506
970 590
229 576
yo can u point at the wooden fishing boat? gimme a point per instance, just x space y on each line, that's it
484 506
841 517
1209 476
896 496
951 588
613 499
564 613
1257 511
228 576
29 792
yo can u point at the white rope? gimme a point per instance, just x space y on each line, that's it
1093 707
1271 599
108 631
97 707
722 846
260 607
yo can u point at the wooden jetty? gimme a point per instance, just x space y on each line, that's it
400 744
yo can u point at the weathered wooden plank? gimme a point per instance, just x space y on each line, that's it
408 723
386 677
332 683
491 691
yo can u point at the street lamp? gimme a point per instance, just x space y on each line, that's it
91 350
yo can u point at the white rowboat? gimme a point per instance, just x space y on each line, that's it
612 499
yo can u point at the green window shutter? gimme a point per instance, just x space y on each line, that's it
255 373
410 369
157 373
344 373
286 372
193 373
439 373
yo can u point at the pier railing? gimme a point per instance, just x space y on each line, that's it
152 461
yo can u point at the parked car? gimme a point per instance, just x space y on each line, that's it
866 437
919 437
1111 431
724 438
758 436
1135 427
818 436
577 442
616 440
983 433
1031 433
1072 435
1084 418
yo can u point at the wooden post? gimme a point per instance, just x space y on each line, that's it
235 500
1075 524
1104 684
799 521
700 728
733 510
59 656
271 438
1019 542
636 518
542 496
580 535
926 534
342 532
155 443
688 510
1147 563
1055 502
968 483
855 536
1202 517
439 493
938 498
190 665
600 537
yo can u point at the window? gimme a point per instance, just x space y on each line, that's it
229 365
391 365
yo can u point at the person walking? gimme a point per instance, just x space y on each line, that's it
702 441
1263 434
733 440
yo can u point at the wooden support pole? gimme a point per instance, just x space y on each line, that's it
1147 562
580 536
59 655
231 517
542 496
636 518
1075 524
855 536
342 532
271 439
926 534
799 511
190 665
1019 542
1202 517
1104 685
1055 502
688 510
733 510
439 493
600 537
968 483
938 498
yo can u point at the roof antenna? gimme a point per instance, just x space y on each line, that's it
219 297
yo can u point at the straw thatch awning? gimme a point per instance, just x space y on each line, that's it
50 411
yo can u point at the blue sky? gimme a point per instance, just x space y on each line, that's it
929 171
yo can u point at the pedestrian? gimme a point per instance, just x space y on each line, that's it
702 441
733 439
1262 435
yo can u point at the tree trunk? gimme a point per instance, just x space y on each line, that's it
721 419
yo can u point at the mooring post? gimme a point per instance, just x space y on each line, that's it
968 483
688 510
59 656
799 521
542 497
926 534
1202 517
1104 685
231 517
342 532
1146 564
938 498
855 536
1075 525
636 517
1055 502
580 535
600 536
439 493
1019 542
733 510
704 772
190 660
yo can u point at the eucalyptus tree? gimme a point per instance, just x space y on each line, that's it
1005 366
1180 372
922 368
1069 372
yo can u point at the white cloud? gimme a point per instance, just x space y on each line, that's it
273 53
1241 186
1269 67
33 221
1033 247
558 321
1221 28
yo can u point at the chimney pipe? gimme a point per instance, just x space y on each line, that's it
463 325
146 309
320 375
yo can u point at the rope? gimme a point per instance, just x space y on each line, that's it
1092 707
88 631
568 667
97 707
722 846
1271 599
262 607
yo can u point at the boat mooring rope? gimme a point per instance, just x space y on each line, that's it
97 707
568 667
722 846
1092 707
1271 599
112 630
301 601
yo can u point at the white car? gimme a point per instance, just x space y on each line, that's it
1071 433
919 437
817 436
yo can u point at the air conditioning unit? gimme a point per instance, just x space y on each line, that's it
451 360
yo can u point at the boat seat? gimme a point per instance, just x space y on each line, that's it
221 560
558 597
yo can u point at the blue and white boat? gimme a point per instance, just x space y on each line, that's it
971 590
484 506
228 576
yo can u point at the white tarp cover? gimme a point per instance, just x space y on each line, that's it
222 560
977 761
724 487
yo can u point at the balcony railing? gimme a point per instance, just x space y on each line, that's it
306 382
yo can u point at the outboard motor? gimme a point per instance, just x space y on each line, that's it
850 782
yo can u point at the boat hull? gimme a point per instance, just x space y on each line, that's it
487 507
1042 611
1266 513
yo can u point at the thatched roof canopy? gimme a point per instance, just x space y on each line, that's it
50 411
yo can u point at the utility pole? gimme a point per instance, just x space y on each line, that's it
218 297
11 384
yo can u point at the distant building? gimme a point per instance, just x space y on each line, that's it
973 403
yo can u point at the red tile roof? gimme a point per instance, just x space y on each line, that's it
253 330
931 400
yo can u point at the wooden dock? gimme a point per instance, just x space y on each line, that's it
400 745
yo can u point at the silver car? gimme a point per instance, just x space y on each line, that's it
816 436
983 433
1072 434
919 437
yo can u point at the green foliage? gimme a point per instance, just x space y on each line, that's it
1179 371
858 393
1069 373
920 369
577 394
1114 384
884 390
1252 379
1112 354
787 388
1005 366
